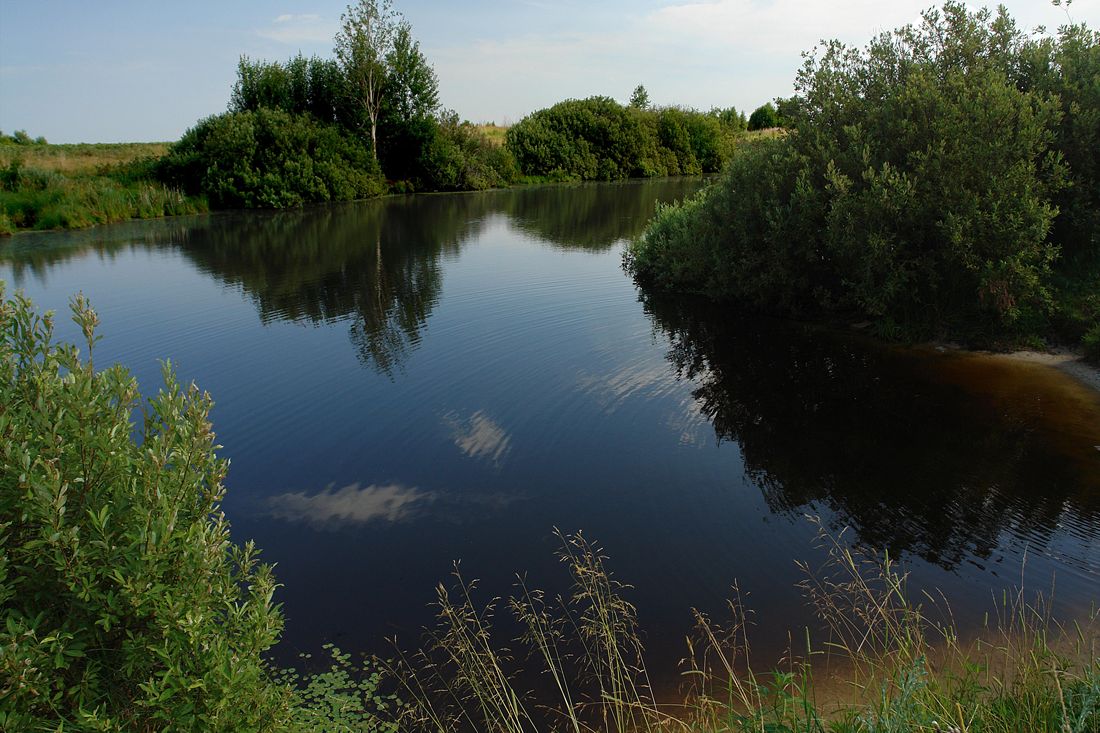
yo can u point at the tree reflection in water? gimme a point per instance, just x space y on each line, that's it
889 439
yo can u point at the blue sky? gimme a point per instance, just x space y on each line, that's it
118 70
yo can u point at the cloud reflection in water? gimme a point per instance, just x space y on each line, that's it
354 505
351 504
479 436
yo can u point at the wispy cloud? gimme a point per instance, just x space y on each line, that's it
304 28
350 505
652 381
479 436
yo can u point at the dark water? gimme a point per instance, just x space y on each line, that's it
405 383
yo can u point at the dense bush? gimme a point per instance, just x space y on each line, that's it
919 186
271 159
599 139
459 157
764 117
419 147
125 605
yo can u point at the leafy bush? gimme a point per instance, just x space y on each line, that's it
459 157
125 605
764 117
271 159
920 186
599 139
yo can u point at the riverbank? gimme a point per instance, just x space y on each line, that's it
1067 362
45 187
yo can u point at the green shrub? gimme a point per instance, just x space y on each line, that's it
125 605
459 157
920 186
271 159
764 117
599 139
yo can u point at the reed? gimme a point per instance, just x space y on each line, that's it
885 659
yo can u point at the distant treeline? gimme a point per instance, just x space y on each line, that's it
942 182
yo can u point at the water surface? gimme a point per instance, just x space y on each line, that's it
408 382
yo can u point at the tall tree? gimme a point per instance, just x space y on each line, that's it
640 98
413 87
364 44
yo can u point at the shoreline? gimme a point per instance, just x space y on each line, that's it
1063 360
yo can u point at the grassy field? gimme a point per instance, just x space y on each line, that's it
80 158
494 132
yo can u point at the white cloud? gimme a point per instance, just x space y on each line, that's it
333 509
479 436
350 504
304 28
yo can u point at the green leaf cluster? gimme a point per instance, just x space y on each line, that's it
123 603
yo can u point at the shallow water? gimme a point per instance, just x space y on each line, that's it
408 382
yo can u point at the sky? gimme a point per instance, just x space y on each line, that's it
120 70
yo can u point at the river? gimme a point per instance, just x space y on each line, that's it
408 382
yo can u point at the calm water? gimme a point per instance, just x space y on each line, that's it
405 383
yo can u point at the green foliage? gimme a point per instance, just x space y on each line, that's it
34 198
764 117
270 159
411 83
599 139
459 157
920 186
639 98
730 119
20 137
900 670
363 47
312 86
125 605
343 699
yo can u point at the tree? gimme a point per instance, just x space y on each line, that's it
364 44
639 99
412 86
764 117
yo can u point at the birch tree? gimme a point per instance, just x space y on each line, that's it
363 46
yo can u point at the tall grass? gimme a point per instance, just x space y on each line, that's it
45 198
888 660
